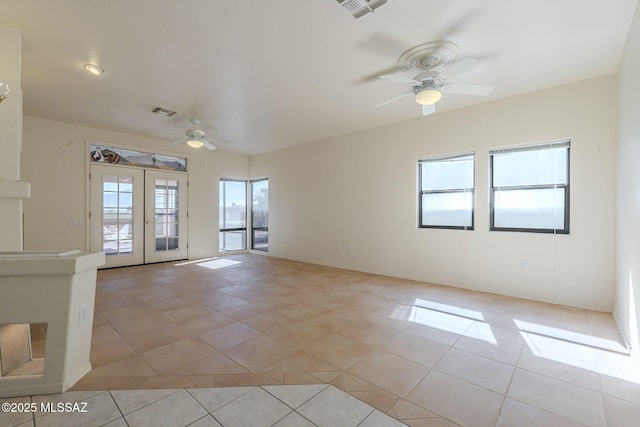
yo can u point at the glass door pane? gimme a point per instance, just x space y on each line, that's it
116 214
260 215
165 216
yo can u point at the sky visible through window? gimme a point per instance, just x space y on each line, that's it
235 193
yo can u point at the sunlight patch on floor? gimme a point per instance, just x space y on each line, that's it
596 354
452 319
211 263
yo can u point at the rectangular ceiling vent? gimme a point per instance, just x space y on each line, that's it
360 8
163 111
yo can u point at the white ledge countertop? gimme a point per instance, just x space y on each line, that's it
15 190
48 263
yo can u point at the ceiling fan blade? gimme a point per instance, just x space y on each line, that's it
463 65
209 146
428 109
178 142
399 79
461 24
375 76
383 44
395 98
479 90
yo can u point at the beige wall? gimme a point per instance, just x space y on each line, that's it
54 161
11 108
627 289
12 191
351 201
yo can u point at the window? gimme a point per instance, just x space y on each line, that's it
446 192
260 215
233 215
530 188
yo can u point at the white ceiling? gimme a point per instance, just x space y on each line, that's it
272 74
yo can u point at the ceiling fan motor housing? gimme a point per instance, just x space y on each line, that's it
194 133
433 56
426 80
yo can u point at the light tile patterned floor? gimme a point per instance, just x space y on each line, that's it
425 354
280 406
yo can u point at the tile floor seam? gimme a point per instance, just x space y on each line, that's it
469 383
547 411
240 363
33 414
215 418
417 384
604 405
195 421
143 406
117 406
473 384
197 401
442 357
285 416
311 422
633 402
251 388
506 392
412 361
560 379
600 383
366 416
600 395
125 340
326 386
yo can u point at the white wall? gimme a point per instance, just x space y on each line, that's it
12 191
54 161
627 284
351 201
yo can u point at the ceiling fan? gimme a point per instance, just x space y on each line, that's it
435 71
195 138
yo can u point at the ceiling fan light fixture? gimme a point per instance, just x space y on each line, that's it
428 96
94 69
195 143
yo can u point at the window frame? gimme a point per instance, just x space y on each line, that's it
251 220
566 186
422 192
223 230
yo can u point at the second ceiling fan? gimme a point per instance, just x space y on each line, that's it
195 138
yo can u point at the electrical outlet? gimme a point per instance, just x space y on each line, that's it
82 314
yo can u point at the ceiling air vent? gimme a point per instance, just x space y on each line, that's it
359 8
163 111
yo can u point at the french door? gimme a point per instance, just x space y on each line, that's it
165 216
138 216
